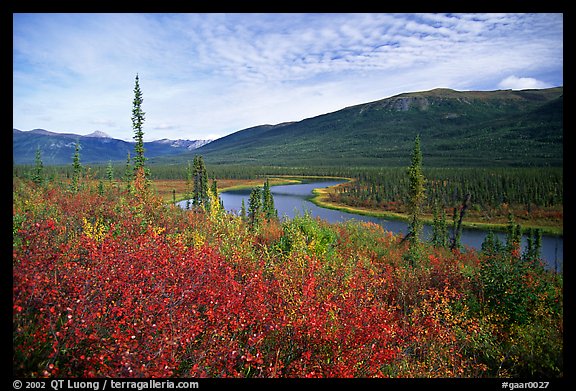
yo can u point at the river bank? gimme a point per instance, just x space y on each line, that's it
320 199
174 190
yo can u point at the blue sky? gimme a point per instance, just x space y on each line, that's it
204 76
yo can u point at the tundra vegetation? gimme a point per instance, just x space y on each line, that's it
110 279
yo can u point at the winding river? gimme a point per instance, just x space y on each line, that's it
292 200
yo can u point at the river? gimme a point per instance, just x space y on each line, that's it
291 200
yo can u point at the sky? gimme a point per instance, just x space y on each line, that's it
204 76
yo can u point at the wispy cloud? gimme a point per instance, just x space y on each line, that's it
217 73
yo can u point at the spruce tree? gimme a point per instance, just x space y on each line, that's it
416 195
200 178
491 244
268 202
513 236
110 171
214 187
76 168
197 182
243 210
439 229
456 232
215 200
443 229
533 244
38 174
537 243
255 207
204 185
137 122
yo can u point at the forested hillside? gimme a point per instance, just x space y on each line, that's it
470 128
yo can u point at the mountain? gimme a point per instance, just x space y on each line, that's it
187 144
457 128
96 147
97 133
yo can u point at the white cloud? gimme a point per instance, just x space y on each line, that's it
522 83
205 74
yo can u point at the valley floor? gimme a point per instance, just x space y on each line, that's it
550 221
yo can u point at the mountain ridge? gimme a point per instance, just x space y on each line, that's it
457 128
96 147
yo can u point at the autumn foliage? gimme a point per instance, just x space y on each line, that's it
117 283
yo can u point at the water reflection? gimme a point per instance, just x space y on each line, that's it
292 200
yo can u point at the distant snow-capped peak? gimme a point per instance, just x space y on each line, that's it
188 144
97 133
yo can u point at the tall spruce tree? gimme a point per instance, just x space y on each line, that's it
76 168
513 236
38 174
215 198
200 191
214 187
416 194
243 210
439 228
137 122
268 208
110 171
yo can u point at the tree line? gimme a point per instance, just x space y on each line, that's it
491 187
375 188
